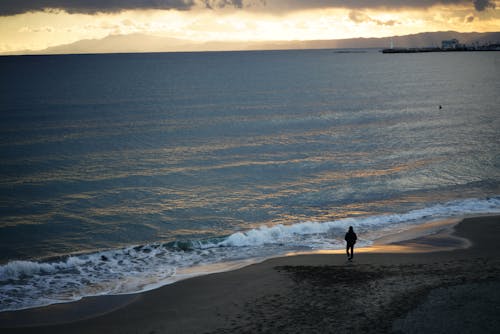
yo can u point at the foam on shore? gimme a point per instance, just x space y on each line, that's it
28 284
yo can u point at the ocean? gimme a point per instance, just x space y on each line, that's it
121 173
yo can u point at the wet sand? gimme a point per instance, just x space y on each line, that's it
410 286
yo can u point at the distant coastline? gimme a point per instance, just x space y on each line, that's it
449 45
144 43
493 47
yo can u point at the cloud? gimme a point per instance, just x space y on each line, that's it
469 18
37 29
360 17
481 5
211 4
12 7
293 5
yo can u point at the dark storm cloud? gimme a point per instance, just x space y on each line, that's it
285 5
211 4
481 5
12 7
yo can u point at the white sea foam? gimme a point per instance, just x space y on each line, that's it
26 284
281 234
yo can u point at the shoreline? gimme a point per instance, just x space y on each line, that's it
423 237
222 301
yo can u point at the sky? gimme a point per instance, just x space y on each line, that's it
39 24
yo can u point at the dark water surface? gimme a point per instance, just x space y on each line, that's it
145 164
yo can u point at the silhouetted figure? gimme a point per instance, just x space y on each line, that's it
350 238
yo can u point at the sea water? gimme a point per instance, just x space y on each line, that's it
120 173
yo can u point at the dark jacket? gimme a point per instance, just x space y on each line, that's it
351 237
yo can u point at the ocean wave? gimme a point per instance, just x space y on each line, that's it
282 234
27 284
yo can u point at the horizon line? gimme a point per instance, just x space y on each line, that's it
46 51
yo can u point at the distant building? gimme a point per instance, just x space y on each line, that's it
450 44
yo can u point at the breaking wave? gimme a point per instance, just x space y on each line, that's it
28 284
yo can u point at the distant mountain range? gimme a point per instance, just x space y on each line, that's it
147 43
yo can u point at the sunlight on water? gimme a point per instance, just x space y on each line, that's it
205 162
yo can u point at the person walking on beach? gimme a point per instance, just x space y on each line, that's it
350 238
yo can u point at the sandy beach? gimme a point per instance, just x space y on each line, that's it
440 283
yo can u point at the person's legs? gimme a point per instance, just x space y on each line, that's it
350 251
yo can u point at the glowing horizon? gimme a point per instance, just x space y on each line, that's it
38 30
